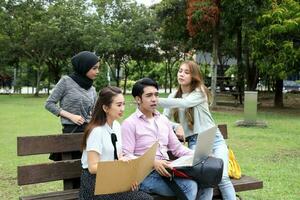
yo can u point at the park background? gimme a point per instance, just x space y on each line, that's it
245 45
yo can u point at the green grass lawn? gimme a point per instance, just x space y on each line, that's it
271 154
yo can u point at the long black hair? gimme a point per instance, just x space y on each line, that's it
99 116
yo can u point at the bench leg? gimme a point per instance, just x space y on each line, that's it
71 183
75 182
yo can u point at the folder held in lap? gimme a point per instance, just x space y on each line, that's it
118 176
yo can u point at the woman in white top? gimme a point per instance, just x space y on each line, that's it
189 106
102 131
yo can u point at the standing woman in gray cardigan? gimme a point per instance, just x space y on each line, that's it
76 96
189 106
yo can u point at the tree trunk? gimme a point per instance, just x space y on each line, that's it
214 66
48 87
15 81
240 72
252 77
118 68
166 76
39 74
124 86
126 74
251 68
278 99
141 69
215 59
170 76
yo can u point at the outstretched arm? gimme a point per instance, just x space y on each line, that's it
193 99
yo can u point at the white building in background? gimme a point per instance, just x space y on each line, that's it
24 90
148 2
206 58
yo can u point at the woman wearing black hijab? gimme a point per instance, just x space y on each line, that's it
76 96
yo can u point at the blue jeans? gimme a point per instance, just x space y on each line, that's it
153 183
206 193
220 150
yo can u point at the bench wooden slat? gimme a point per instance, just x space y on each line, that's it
245 183
62 195
33 145
223 129
40 173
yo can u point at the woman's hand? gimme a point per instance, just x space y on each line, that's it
161 165
125 159
76 119
135 186
180 133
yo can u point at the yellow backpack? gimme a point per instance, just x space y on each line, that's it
234 169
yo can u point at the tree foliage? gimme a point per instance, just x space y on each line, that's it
276 43
38 38
202 15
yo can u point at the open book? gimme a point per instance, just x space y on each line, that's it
118 176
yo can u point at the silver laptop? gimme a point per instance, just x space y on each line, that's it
203 148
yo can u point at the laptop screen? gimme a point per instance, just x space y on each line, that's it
204 144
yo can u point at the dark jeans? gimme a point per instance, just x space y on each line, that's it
73 128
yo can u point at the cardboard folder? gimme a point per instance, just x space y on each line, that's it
118 176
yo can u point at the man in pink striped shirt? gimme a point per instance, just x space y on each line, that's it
146 126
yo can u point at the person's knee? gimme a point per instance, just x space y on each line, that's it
194 187
225 181
205 194
190 189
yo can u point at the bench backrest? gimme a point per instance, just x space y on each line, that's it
60 170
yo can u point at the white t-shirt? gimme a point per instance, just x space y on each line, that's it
99 141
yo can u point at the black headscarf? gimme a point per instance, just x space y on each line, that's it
82 63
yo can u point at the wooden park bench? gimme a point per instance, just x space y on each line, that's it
67 169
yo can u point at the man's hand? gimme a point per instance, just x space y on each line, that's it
160 166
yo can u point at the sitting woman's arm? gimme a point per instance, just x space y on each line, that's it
93 159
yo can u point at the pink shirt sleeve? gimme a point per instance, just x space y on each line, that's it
128 139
